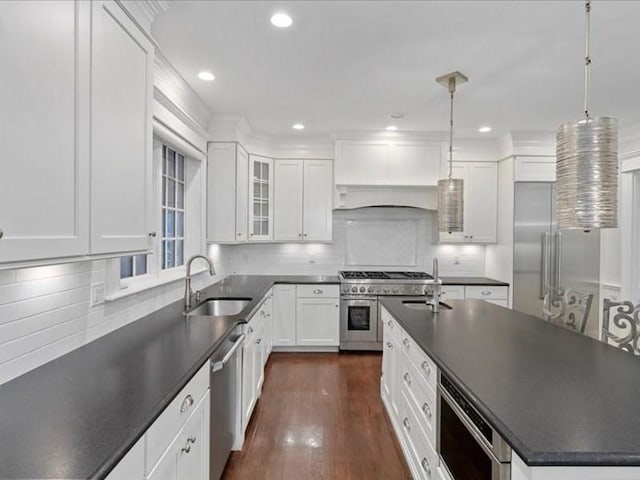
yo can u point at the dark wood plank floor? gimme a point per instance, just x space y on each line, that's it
320 417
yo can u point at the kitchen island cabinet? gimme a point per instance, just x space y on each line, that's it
514 368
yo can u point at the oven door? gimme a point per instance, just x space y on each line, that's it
358 319
463 451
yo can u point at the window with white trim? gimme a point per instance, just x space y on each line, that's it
173 188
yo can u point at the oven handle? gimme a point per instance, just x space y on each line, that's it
350 298
475 433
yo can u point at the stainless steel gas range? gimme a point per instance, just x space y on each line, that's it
360 323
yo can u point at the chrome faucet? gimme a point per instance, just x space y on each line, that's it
187 285
435 299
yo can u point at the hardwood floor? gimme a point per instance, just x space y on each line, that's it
320 416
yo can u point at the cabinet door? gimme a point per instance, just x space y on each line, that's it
318 197
458 170
121 132
287 215
242 194
284 313
259 359
221 192
261 198
248 380
318 322
193 444
387 363
481 202
44 130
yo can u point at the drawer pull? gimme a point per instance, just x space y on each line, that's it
405 342
192 439
486 293
425 465
427 410
389 345
187 403
186 449
317 291
407 378
389 323
250 330
426 367
406 424
259 341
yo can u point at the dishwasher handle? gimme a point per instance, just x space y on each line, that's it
216 366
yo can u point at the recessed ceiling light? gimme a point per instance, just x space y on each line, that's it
281 20
486 129
206 76
396 115
391 128
298 126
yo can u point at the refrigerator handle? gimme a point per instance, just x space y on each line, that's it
558 258
544 278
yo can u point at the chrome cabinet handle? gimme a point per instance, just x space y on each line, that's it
299 235
486 292
389 322
1 233
405 342
406 424
186 449
389 345
305 234
426 367
426 410
239 234
258 341
250 329
407 378
192 439
317 291
152 234
187 403
425 465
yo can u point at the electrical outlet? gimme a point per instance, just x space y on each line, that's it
97 294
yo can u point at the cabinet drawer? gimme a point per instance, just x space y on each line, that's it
318 291
423 364
171 420
486 292
422 396
390 323
424 458
452 292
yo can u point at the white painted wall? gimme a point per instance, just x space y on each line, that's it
45 312
370 239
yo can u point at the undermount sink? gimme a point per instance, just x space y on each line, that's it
219 307
420 305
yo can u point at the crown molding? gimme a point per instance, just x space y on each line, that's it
145 11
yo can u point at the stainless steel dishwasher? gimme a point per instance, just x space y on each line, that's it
226 368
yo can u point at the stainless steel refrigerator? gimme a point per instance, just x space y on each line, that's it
546 256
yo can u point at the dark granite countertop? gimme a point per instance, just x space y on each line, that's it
557 397
77 416
470 281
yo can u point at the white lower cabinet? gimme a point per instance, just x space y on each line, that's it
498 295
284 315
318 316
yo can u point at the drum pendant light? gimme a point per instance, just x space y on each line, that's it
587 164
451 190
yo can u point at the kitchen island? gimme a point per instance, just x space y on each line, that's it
565 403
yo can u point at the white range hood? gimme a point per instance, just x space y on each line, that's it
357 196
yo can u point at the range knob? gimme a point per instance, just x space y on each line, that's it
370 289
362 289
416 289
395 290
354 289
386 290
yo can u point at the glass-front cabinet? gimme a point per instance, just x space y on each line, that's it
260 198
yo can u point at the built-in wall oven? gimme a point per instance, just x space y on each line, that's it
469 448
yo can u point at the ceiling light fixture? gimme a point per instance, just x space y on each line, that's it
587 163
298 126
391 128
281 20
451 190
397 115
206 76
485 129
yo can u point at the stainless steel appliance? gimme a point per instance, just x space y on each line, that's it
468 446
545 257
360 323
226 367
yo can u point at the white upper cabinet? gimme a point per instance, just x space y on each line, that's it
227 193
480 203
121 132
535 169
303 200
387 162
44 130
288 194
260 198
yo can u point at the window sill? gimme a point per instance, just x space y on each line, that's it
137 285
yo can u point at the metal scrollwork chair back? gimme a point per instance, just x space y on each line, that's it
567 308
626 322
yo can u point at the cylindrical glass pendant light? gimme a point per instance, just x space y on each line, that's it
451 190
587 165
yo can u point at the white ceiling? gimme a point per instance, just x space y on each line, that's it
345 65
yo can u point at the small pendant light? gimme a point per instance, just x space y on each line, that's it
451 190
587 164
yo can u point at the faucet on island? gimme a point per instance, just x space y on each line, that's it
435 299
188 292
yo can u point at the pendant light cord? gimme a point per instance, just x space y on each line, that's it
452 89
587 56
